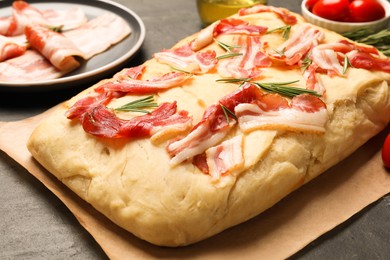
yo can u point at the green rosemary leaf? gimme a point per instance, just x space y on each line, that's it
233 80
306 63
281 52
226 46
227 112
56 28
229 55
284 29
346 64
180 70
139 105
282 88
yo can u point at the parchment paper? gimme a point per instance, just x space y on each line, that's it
290 225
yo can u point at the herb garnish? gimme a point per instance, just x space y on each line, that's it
346 64
229 55
281 88
139 105
227 47
284 29
180 70
227 112
306 63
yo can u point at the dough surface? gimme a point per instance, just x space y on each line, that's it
134 185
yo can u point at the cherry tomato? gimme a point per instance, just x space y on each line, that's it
336 10
310 4
386 152
365 11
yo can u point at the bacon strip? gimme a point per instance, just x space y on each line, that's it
186 59
283 14
31 66
225 26
246 65
10 49
106 30
327 59
225 158
68 19
134 86
54 46
305 113
366 61
299 44
208 132
312 80
102 122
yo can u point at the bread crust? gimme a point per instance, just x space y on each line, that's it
133 184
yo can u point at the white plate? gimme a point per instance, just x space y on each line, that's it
96 67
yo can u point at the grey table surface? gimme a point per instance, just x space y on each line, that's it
34 224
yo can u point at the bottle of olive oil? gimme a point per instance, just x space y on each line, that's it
212 10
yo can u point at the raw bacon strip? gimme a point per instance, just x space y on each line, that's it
10 49
211 130
101 121
54 46
83 105
312 81
186 59
133 72
327 59
23 15
225 158
305 113
225 26
31 66
283 14
246 65
134 86
69 19
8 26
299 44
361 60
99 34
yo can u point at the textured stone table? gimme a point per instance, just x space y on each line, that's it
34 224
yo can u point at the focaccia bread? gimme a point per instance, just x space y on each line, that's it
238 116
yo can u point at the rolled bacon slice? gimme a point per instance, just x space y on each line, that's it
225 26
211 130
305 113
10 49
283 14
59 50
135 86
248 64
186 59
99 34
31 66
103 122
362 60
299 44
225 158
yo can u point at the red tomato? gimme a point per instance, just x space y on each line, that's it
365 11
310 4
386 152
336 10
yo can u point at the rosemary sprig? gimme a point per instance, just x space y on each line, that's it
233 80
139 105
227 112
306 63
284 29
56 28
282 88
228 55
227 47
180 70
281 52
381 39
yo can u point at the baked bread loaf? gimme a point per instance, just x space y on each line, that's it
238 116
